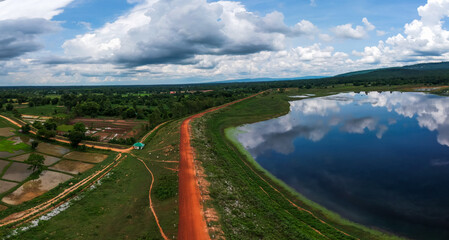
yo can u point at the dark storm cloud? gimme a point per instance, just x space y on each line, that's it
18 36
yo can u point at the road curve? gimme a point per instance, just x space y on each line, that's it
192 224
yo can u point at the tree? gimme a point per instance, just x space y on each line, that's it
45 133
78 134
36 161
54 101
9 107
79 127
34 144
75 138
26 128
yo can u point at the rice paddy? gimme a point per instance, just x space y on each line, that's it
34 188
72 167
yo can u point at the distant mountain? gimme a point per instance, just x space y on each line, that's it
247 80
422 67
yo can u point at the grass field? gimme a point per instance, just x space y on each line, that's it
10 146
242 192
65 128
46 110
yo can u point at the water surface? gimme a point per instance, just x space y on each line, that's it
379 159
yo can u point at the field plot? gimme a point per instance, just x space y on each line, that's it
86 157
49 160
2 165
17 172
108 129
54 150
7 132
34 188
5 186
72 167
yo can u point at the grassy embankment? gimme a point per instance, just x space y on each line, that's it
119 207
244 194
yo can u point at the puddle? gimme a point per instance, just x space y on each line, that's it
72 166
8 154
17 172
49 160
34 188
86 157
20 139
5 186
7 132
51 149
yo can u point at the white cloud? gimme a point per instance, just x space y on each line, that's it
176 31
22 22
423 39
46 9
359 32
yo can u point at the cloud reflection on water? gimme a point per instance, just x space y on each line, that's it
313 118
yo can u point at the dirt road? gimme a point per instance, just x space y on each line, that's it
119 150
192 224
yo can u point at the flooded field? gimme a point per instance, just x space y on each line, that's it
51 149
7 132
72 166
5 186
49 160
17 172
8 154
34 188
86 157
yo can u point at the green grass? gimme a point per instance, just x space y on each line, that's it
248 206
119 207
9 146
64 128
46 110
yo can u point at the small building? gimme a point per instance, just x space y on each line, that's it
138 146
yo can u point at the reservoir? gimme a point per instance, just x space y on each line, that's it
380 159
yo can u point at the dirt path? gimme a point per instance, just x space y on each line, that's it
119 150
192 224
149 197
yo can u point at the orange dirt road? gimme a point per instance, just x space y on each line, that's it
192 224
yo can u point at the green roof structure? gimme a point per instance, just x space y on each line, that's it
138 145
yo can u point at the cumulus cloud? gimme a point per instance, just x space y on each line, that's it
19 36
348 31
22 22
47 9
175 32
423 39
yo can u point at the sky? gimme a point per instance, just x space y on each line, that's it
130 42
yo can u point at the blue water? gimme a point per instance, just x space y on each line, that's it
379 159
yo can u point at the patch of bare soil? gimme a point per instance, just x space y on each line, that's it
34 188
7 132
72 166
5 186
17 172
86 157
51 149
